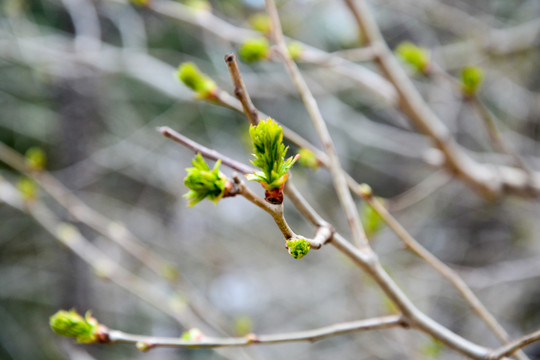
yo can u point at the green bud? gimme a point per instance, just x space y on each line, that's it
253 50
143 346
203 182
471 80
371 220
298 248
36 159
261 22
194 79
27 188
269 152
295 50
243 325
70 323
415 56
192 335
308 159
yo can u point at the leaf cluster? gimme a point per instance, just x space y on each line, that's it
269 152
203 182
298 248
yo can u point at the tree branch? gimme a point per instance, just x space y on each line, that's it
115 336
340 183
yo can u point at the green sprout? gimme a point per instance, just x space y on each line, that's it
70 323
197 81
308 158
261 22
295 50
203 182
471 80
298 248
253 50
269 152
413 55
35 158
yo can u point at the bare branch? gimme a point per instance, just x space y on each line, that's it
386 322
512 347
340 183
240 90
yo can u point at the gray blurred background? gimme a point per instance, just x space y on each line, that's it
89 81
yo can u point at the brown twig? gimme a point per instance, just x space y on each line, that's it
513 346
414 106
240 90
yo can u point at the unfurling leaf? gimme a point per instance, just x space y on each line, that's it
70 323
269 152
203 182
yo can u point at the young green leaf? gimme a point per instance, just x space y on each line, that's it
269 152
203 182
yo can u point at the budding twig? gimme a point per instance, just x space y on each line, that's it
115 336
240 90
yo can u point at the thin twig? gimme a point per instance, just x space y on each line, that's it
100 262
513 346
276 211
115 336
340 183
412 104
495 136
418 192
204 151
114 231
443 269
484 178
240 90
